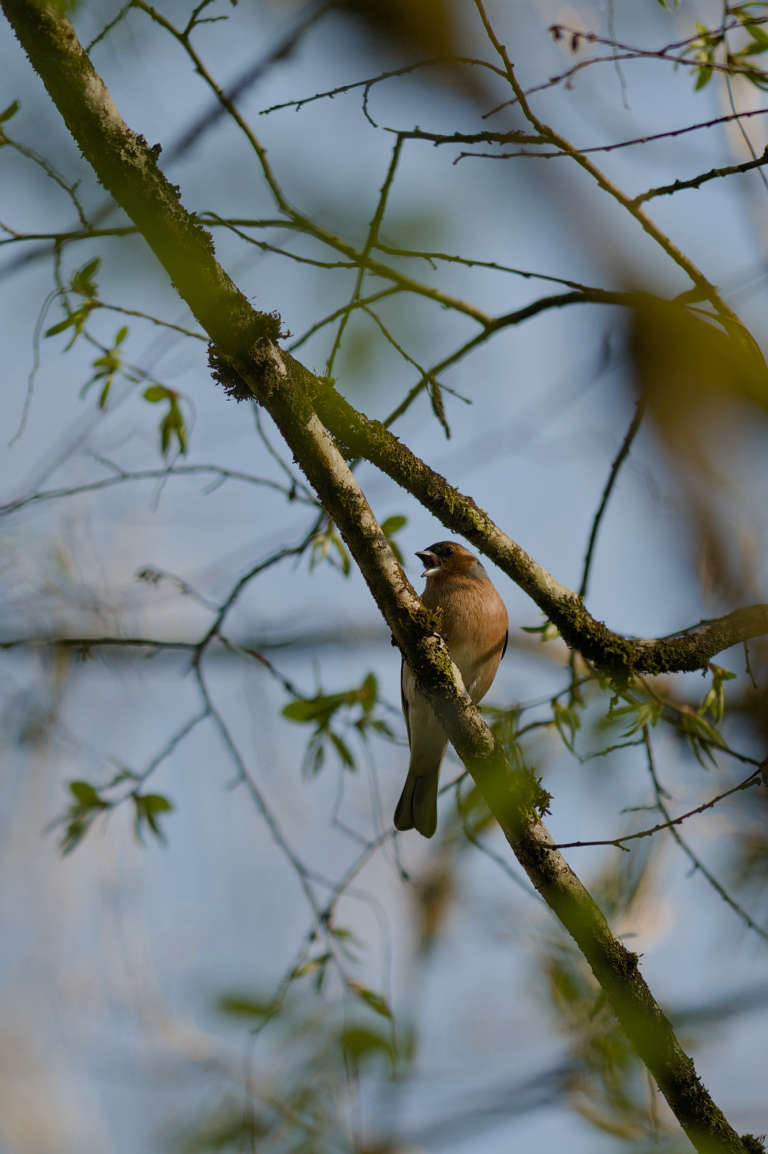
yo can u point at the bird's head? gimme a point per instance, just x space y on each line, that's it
448 558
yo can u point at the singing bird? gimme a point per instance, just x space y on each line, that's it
473 623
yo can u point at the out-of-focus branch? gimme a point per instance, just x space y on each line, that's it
219 474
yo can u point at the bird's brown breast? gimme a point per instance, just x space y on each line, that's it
473 622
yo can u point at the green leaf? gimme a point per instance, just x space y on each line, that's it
338 544
393 524
85 794
165 435
318 709
309 967
721 672
155 393
343 750
75 319
397 552
390 526
756 32
121 335
349 945
107 363
244 1006
547 630
323 544
152 823
75 831
638 713
147 806
703 78
172 424
369 691
156 803
698 727
753 49
359 1042
318 758
299 710
377 1003
10 111
60 326
348 941
82 281
343 934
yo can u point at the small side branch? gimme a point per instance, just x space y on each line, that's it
702 178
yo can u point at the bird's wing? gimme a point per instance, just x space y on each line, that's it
404 700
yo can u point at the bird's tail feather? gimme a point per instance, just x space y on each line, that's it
417 807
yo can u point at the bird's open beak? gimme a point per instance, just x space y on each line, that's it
430 561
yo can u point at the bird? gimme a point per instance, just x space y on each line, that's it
472 620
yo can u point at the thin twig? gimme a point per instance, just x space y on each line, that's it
616 464
754 778
702 178
696 861
123 478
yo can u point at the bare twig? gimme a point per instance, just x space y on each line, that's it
754 778
616 464
124 477
702 178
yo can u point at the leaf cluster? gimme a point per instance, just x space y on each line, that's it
88 803
297 1103
106 367
327 544
83 284
711 42
328 713
171 427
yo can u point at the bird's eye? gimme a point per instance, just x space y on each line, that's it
447 550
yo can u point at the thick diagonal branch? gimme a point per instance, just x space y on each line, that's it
244 340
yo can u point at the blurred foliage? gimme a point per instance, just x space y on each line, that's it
300 1101
425 29
705 384
607 1084
694 376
